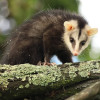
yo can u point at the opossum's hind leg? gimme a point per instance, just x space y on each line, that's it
37 53
47 57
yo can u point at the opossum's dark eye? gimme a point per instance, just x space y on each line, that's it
83 43
71 40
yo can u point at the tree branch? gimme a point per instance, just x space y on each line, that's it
25 80
88 93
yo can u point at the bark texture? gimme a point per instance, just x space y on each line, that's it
48 82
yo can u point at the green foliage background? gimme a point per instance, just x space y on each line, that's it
23 9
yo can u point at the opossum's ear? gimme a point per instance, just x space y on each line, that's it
68 26
92 31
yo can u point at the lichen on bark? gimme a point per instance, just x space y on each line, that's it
37 75
16 80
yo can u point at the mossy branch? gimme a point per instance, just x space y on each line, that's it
24 80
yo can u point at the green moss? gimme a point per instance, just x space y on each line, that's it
21 86
44 75
85 68
27 85
72 72
36 75
0 95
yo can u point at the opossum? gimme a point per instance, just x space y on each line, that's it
48 33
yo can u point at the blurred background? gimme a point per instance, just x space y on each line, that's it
15 12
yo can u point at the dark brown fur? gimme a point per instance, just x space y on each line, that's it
40 38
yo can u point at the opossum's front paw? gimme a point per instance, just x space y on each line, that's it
46 63
39 63
49 64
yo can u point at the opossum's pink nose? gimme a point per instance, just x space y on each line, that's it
75 53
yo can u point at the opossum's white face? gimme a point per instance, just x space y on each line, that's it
77 39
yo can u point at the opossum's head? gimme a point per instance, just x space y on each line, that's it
76 36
